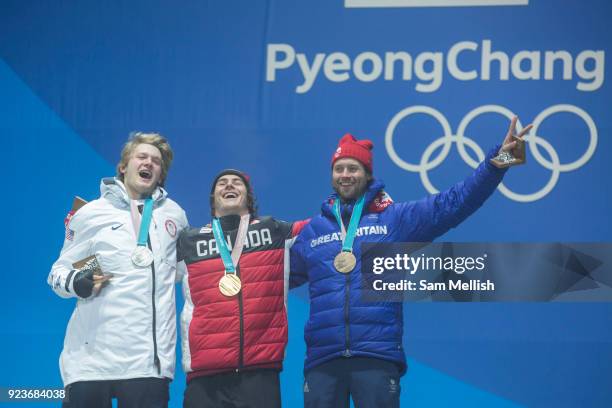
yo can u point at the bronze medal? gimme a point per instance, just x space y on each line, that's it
230 285
345 262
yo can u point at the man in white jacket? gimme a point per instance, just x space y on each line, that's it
120 341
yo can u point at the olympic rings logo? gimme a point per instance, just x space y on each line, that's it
533 140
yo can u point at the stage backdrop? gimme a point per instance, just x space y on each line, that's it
269 87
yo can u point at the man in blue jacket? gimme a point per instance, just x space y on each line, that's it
355 348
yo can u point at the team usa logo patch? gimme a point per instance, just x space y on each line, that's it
69 232
171 228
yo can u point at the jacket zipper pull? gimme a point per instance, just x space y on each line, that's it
157 364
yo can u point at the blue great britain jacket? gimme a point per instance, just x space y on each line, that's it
340 324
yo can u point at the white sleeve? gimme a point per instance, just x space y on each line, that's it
76 247
186 316
181 271
181 267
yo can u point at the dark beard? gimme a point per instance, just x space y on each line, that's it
348 199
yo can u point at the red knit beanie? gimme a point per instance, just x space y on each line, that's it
360 150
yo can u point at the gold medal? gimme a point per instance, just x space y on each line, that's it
345 262
230 285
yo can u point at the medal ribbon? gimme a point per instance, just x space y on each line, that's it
135 214
229 261
142 224
349 236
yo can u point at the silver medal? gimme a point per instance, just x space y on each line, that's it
142 256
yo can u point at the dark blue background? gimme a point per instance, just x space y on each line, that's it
77 77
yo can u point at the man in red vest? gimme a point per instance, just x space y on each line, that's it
234 322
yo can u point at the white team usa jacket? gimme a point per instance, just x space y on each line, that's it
129 329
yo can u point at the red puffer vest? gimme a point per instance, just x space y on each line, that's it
246 331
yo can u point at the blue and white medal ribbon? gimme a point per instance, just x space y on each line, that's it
142 255
230 284
345 261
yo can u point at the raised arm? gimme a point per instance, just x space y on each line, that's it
427 219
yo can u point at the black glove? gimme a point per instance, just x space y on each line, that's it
83 283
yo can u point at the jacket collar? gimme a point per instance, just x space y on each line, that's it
114 190
373 194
